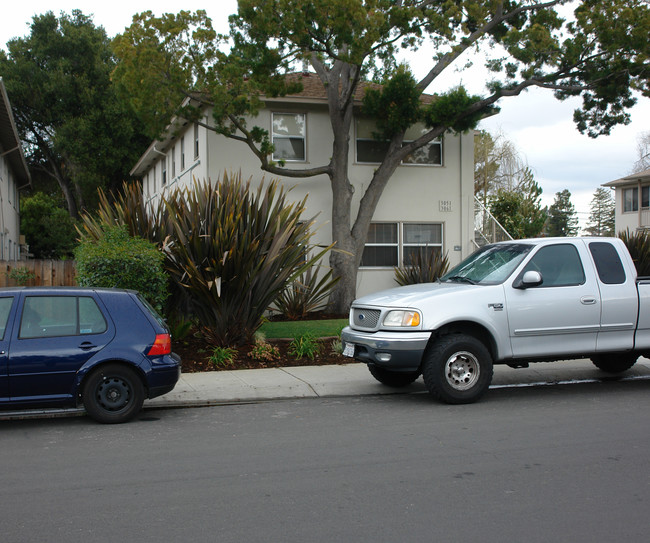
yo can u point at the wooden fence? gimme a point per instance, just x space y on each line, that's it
55 273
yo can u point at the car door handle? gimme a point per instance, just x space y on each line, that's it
588 300
87 345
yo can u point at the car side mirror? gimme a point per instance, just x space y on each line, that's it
531 278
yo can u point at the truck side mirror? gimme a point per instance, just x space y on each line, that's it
531 278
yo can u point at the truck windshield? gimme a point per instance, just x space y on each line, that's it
490 265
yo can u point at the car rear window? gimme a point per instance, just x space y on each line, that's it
152 311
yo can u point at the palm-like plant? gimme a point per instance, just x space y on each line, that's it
638 244
229 249
424 266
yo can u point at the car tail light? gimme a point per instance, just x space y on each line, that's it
162 345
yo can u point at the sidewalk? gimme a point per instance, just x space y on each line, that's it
249 386
241 386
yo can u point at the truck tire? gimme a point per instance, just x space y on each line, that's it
614 363
393 378
457 369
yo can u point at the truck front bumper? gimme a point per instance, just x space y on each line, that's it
395 351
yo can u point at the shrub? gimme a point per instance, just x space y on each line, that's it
425 267
638 244
229 250
262 350
47 226
304 346
21 275
222 356
305 295
117 260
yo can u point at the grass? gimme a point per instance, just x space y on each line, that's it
294 329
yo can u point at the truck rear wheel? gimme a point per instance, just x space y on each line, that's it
393 378
614 363
457 369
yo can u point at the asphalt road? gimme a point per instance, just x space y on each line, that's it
553 463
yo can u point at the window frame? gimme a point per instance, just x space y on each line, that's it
436 142
279 137
633 206
401 244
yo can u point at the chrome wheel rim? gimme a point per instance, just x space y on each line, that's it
462 370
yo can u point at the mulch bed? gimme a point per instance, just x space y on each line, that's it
195 352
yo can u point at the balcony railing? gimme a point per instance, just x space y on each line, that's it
486 228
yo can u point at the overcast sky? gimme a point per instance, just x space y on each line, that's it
540 126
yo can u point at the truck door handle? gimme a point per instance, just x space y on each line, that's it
588 300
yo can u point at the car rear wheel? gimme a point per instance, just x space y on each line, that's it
614 363
457 369
113 394
393 378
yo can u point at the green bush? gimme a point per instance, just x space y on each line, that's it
120 261
230 250
48 228
304 346
425 267
638 244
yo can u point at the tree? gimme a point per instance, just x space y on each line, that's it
601 214
562 219
47 227
520 211
601 54
643 152
74 128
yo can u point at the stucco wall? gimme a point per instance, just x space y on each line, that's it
416 193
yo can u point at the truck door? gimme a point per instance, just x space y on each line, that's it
562 315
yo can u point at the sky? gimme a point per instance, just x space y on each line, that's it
540 126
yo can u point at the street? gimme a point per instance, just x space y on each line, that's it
552 463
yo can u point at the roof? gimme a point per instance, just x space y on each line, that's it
10 145
313 92
632 179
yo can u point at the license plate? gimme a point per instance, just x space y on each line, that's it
348 350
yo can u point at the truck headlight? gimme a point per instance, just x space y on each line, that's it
402 319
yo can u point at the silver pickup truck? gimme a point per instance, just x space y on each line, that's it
509 303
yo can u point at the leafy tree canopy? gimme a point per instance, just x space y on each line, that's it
601 54
47 227
562 218
520 211
74 128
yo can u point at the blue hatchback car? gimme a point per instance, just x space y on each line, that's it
107 349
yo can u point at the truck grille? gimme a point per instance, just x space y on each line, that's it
365 318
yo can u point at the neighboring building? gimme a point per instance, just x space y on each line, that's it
14 175
632 201
429 201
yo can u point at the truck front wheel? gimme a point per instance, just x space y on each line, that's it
457 369
393 378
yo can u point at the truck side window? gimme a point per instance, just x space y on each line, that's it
559 265
608 264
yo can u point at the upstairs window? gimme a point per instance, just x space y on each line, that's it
373 151
288 136
182 153
631 199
